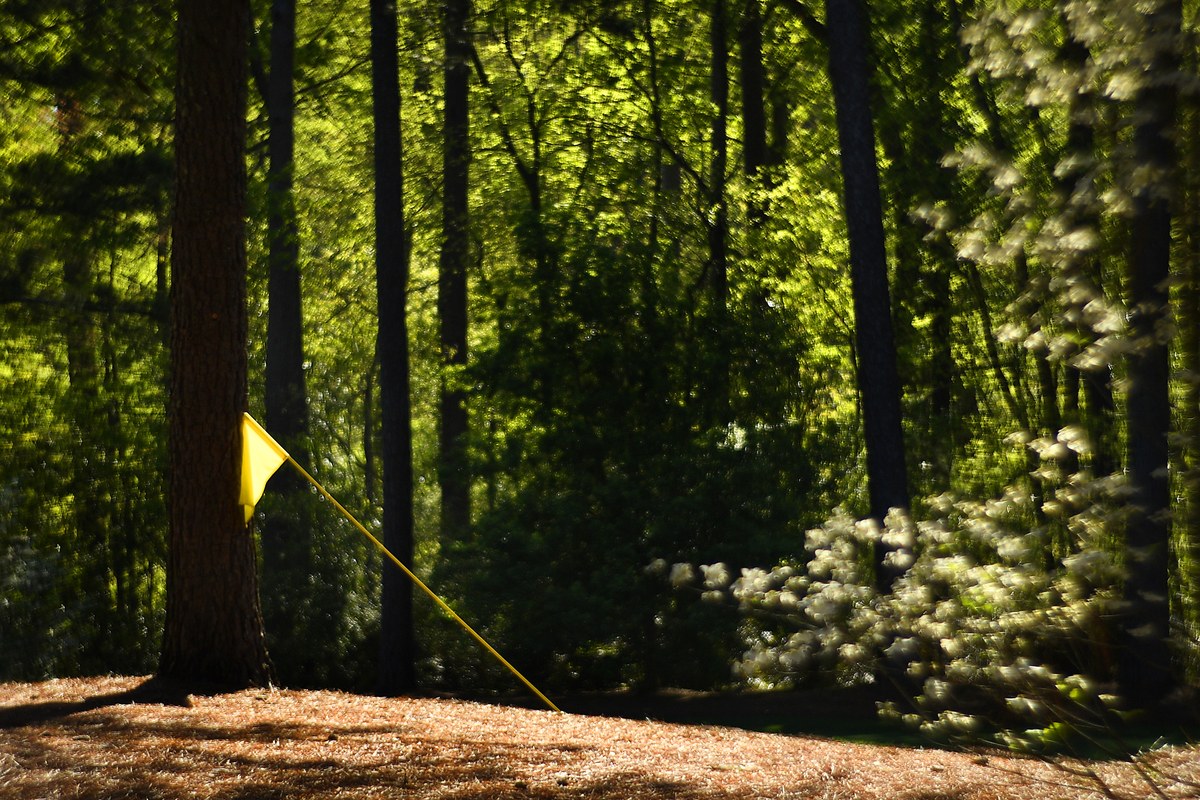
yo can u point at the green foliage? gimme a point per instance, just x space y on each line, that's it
86 182
618 476
600 450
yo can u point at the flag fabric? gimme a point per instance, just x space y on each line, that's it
261 456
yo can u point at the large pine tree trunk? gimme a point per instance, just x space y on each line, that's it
214 630
454 476
878 380
1145 663
397 658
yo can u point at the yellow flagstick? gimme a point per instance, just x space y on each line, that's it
420 584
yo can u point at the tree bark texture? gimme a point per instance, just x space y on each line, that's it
286 394
1189 327
1146 673
214 630
397 648
718 390
454 475
878 379
753 79
285 536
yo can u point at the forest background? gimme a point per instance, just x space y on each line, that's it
687 283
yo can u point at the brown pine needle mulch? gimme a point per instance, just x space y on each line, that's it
122 738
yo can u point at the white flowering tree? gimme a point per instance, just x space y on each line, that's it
1020 615
983 636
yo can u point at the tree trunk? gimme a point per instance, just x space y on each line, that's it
454 477
878 380
1189 329
934 118
1145 662
718 390
214 629
286 396
397 649
285 536
752 79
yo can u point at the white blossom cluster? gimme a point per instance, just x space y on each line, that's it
1051 211
994 627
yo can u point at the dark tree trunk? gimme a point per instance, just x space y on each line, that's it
878 380
214 629
454 477
1189 328
1146 673
718 390
933 143
286 538
397 650
370 472
753 80
286 397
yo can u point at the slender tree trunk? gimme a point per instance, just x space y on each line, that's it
214 628
1189 336
285 536
650 376
1145 663
878 379
718 390
933 142
752 80
658 166
286 395
454 477
370 471
123 524
397 653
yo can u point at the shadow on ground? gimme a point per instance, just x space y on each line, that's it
154 690
849 714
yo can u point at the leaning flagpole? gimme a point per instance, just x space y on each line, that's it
279 451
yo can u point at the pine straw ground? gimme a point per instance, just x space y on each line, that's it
121 738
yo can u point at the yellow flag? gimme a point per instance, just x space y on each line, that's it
261 456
